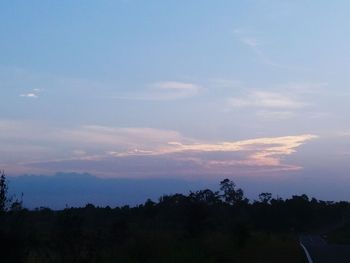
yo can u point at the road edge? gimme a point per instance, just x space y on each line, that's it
306 253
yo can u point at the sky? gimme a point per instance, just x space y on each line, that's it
194 90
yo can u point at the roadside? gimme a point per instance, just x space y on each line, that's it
322 252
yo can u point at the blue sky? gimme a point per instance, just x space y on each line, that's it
176 89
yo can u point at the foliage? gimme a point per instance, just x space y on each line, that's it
7 202
203 226
3 192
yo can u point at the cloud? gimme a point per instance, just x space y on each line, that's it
24 141
172 85
263 99
225 83
275 115
251 157
258 152
342 133
30 95
164 91
250 42
139 152
34 94
248 39
306 88
269 105
282 101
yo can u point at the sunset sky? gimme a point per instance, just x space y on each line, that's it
191 90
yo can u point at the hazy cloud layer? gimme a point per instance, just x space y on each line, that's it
281 102
139 152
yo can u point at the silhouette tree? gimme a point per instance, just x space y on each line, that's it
4 200
202 226
205 196
265 198
231 195
8 203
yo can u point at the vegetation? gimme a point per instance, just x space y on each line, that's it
203 226
7 203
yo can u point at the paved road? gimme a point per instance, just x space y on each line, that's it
321 252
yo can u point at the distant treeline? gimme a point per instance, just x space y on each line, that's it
202 226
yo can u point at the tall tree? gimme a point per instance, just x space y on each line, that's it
3 192
231 194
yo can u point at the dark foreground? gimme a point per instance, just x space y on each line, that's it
322 252
203 226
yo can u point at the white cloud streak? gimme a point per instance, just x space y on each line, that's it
34 94
30 95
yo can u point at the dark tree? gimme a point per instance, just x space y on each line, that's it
3 192
265 198
206 196
8 203
231 194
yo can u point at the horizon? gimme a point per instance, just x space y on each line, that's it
64 190
253 91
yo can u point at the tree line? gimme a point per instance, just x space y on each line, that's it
201 226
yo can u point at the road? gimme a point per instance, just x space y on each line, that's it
322 252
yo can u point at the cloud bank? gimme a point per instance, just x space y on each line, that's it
139 152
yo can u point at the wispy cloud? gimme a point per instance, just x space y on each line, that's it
30 95
275 114
90 88
34 94
225 83
250 42
305 88
248 39
282 101
164 91
250 157
264 99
